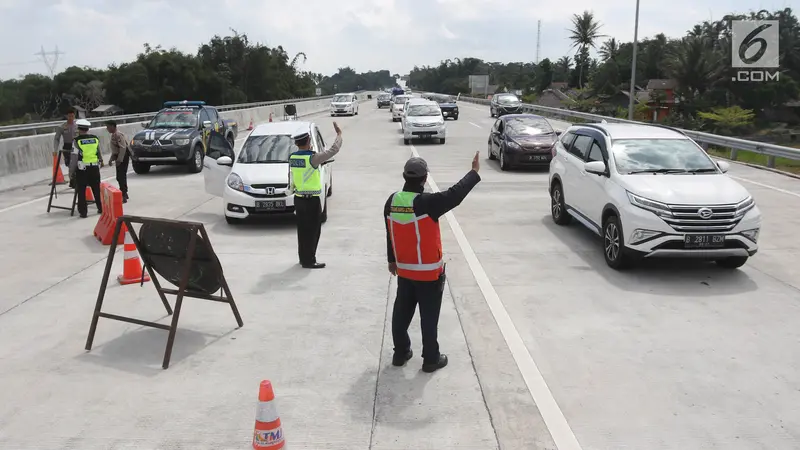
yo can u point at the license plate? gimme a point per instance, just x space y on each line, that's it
424 135
270 205
339 110
704 240
537 158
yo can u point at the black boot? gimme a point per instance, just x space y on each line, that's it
400 359
316 265
433 367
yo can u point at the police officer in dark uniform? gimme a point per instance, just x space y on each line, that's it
88 160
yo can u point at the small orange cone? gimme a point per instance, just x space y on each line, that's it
57 170
89 194
270 117
251 125
132 269
268 434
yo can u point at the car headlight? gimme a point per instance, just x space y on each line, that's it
744 206
180 141
513 144
235 182
137 142
751 234
657 208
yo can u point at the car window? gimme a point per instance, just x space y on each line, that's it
496 126
218 147
213 114
655 154
595 153
424 110
500 126
566 139
581 146
266 149
175 118
204 116
528 126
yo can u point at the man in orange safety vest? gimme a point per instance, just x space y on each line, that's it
414 248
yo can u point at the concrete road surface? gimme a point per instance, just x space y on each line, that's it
546 344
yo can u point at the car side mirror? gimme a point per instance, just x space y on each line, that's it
207 124
723 166
145 124
224 161
559 132
595 167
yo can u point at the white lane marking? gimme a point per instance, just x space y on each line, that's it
553 417
475 125
784 191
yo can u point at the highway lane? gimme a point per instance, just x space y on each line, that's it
672 355
669 356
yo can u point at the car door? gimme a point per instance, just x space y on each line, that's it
576 156
593 186
214 175
496 136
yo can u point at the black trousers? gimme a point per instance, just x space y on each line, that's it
428 295
309 227
90 177
122 174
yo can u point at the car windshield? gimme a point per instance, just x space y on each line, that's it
343 98
384 97
267 149
400 100
528 125
175 119
660 155
424 110
505 99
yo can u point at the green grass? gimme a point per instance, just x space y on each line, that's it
787 165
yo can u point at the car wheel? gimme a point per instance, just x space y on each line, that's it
614 244
491 113
406 141
558 209
233 220
491 155
441 141
231 141
503 164
196 161
733 262
455 117
141 168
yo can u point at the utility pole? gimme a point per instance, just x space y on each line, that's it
538 40
51 65
633 64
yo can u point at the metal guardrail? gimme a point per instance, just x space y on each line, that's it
706 139
49 127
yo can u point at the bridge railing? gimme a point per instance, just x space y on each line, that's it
733 144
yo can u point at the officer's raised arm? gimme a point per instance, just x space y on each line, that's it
322 156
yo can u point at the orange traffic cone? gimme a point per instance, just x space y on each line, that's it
57 170
132 269
251 124
89 194
270 117
268 434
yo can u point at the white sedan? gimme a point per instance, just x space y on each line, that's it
257 183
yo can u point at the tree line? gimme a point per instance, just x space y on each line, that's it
226 70
699 62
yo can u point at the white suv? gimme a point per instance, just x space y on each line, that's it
651 191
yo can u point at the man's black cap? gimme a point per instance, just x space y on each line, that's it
415 168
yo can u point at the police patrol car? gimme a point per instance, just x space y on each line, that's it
178 135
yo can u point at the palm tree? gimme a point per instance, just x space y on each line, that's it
609 50
562 69
585 31
296 57
695 66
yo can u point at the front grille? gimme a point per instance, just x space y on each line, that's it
538 148
688 219
271 185
422 125
162 142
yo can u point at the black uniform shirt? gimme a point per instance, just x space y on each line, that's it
434 205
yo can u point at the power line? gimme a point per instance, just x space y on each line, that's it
51 64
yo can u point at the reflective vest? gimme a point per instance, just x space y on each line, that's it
306 178
88 148
416 240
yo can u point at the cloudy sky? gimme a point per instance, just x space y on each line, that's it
364 34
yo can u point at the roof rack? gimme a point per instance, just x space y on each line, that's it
594 126
677 130
184 103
